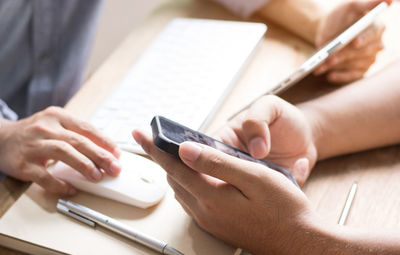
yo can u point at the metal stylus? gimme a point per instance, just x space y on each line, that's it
347 205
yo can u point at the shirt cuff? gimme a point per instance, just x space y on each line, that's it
6 112
243 8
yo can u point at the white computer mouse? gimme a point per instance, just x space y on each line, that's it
141 183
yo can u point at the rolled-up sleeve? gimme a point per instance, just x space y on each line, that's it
243 8
6 112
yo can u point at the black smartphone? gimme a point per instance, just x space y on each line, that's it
168 135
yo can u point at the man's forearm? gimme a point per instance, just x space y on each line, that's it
361 116
329 239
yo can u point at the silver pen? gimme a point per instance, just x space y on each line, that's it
93 218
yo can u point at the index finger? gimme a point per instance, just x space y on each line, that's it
194 182
88 130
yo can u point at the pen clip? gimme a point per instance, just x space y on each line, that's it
63 209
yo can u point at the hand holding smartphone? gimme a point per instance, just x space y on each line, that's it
168 135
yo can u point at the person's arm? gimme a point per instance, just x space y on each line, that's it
256 208
362 116
260 210
26 146
319 22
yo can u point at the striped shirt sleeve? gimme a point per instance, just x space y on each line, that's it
6 112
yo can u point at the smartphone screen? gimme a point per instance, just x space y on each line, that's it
178 134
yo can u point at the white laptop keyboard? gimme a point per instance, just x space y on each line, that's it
184 75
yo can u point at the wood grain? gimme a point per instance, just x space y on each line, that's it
377 202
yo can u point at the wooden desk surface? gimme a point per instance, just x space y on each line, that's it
377 202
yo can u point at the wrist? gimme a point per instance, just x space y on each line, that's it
4 123
320 237
316 125
306 235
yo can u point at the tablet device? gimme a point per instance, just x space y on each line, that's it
322 54
336 44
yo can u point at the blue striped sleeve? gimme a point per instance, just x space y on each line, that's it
6 112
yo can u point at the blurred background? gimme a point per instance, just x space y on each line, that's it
118 18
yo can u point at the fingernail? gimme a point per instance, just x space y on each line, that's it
302 166
71 191
117 152
115 167
258 148
190 151
301 169
137 137
96 174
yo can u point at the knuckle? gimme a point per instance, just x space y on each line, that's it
26 173
104 158
21 164
86 166
52 111
60 147
86 127
40 128
76 141
214 163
